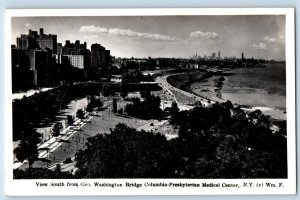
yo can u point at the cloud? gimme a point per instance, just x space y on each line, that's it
269 39
205 35
27 25
125 32
93 29
90 36
260 45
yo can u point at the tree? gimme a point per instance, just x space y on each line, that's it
174 108
91 98
146 93
70 120
120 111
56 129
98 103
58 168
132 76
115 108
93 103
41 173
229 157
127 153
27 149
108 90
89 107
148 109
198 103
256 114
80 114
123 91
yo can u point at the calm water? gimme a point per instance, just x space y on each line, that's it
264 87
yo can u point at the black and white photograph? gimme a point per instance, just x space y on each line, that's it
186 99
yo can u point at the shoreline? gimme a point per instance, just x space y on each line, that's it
216 85
186 86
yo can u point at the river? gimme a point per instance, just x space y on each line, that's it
264 88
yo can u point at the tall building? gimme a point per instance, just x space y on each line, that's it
47 41
74 48
107 56
37 41
243 58
39 59
213 55
77 53
61 59
59 49
19 59
219 54
39 62
23 42
99 55
102 55
95 55
76 61
100 59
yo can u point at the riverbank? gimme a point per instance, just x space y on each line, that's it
214 87
213 82
209 88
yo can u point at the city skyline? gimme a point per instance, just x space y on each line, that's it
168 36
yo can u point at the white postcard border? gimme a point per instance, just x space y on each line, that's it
30 188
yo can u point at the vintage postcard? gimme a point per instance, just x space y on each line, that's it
150 101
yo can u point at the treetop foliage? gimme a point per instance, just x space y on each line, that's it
126 153
132 76
221 141
215 142
147 109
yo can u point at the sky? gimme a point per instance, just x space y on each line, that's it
258 36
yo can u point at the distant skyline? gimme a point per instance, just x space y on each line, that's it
260 36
